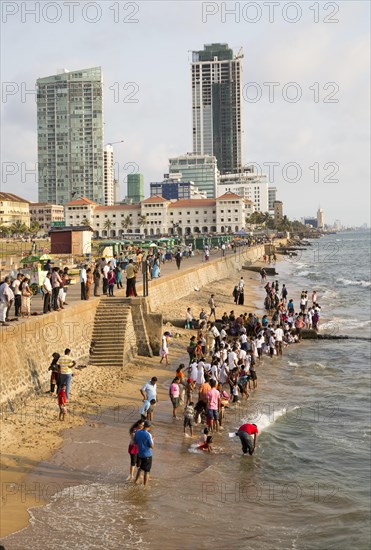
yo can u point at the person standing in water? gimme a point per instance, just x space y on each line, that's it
248 443
144 440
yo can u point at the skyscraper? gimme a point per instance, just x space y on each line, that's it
70 136
201 169
109 176
217 105
135 188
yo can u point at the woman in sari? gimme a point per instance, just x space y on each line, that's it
26 294
89 282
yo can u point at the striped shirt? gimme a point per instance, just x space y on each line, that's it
65 362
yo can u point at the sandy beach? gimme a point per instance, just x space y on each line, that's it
33 434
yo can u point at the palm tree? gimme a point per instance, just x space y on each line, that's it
85 221
18 228
126 222
34 227
142 220
107 225
4 230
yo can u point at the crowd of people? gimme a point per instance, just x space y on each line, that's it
222 367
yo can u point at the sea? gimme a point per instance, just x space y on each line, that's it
307 487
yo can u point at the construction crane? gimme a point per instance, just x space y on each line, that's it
240 54
115 142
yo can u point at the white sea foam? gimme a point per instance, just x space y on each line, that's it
292 364
266 420
303 273
352 282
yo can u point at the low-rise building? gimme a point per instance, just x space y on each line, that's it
157 216
45 214
13 209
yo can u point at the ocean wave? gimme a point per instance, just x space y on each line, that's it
88 501
353 282
337 322
264 421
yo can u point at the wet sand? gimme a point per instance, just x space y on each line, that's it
33 440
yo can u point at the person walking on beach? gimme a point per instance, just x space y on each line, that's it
212 306
145 443
62 402
248 443
66 364
213 405
164 350
174 394
133 449
149 391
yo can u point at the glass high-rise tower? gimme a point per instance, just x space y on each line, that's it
217 105
70 136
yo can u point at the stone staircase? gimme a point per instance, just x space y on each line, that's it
113 336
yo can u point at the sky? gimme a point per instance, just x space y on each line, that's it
306 90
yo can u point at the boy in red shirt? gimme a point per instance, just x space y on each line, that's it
62 401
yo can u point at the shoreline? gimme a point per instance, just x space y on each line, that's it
124 395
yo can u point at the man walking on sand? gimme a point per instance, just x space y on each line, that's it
145 443
212 307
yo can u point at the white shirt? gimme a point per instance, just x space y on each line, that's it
241 284
279 335
15 287
243 338
105 271
232 359
47 284
83 275
242 354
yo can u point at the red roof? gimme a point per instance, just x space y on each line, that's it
81 201
119 207
155 198
44 204
11 197
229 195
195 203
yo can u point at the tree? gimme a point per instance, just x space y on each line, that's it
85 221
126 222
4 230
34 227
107 225
19 228
142 220
258 218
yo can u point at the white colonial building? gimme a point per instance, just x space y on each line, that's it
158 216
249 185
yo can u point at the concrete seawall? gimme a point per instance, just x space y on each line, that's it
26 349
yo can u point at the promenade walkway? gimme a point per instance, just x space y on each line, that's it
169 268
